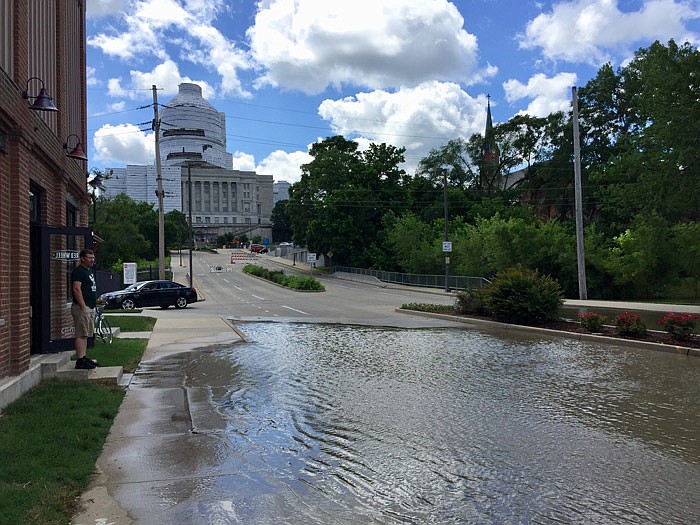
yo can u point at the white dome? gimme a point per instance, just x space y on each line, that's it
192 129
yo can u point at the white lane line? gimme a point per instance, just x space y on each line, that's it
258 297
294 309
226 281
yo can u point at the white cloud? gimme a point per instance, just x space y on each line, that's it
166 76
283 165
124 144
548 94
97 8
91 77
308 45
243 161
149 28
592 31
420 118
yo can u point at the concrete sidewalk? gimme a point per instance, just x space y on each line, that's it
152 434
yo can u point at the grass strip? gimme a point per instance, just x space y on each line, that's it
50 439
132 323
122 352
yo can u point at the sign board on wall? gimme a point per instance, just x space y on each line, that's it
310 258
129 273
65 255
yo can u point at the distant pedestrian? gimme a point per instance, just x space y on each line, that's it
84 289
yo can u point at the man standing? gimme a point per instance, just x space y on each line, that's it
84 299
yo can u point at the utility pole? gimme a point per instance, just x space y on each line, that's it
159 191
446 246
580 250
189 214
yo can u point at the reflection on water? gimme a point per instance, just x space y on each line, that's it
337 424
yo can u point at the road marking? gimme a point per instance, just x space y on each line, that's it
258 297
226 281
294 309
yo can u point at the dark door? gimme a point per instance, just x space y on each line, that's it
57 249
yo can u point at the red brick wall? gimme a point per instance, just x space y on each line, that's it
34 154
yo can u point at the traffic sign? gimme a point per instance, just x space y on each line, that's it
446 246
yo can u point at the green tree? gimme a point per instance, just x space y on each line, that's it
176 229
281 223
343 195
121 224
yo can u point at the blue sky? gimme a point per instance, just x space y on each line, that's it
412 73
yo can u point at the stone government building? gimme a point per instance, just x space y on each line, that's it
193 147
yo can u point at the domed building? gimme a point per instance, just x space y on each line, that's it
194 160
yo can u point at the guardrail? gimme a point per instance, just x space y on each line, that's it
454 282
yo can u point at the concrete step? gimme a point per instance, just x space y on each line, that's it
109 374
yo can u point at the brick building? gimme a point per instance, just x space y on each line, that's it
43 183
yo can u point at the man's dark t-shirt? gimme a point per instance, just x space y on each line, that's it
87 284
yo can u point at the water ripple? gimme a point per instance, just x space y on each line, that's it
392 426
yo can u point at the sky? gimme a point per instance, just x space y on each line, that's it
411 73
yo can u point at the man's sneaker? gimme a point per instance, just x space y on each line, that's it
85 364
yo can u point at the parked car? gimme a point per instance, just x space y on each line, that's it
258 248
150 293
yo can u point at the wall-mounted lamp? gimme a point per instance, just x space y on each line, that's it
43 101
77 152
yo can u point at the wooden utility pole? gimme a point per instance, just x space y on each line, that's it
159 191
580 250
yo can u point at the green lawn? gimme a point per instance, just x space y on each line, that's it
51 437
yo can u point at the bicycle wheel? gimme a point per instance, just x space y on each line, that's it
105 330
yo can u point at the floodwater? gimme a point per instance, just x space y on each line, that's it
355 425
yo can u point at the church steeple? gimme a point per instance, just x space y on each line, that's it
490 149
490 153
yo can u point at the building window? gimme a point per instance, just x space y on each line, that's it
216 220
199 220
207 220
225 220
71 215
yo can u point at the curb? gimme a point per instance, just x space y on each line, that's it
659 347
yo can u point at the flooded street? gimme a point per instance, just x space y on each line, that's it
345 424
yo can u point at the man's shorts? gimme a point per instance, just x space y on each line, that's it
84 320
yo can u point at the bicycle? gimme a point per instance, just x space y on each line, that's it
102 328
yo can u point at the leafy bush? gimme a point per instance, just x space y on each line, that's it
471 302
680 326
289 281
592 321
629 324
523 296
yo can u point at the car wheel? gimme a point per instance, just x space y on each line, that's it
128 304
181 302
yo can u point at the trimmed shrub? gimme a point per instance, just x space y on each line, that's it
592 321
289 281
522 296
471 302
628 324
679 326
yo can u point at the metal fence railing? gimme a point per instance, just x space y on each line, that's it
454 282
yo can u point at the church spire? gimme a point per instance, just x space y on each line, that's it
490 153
490 149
